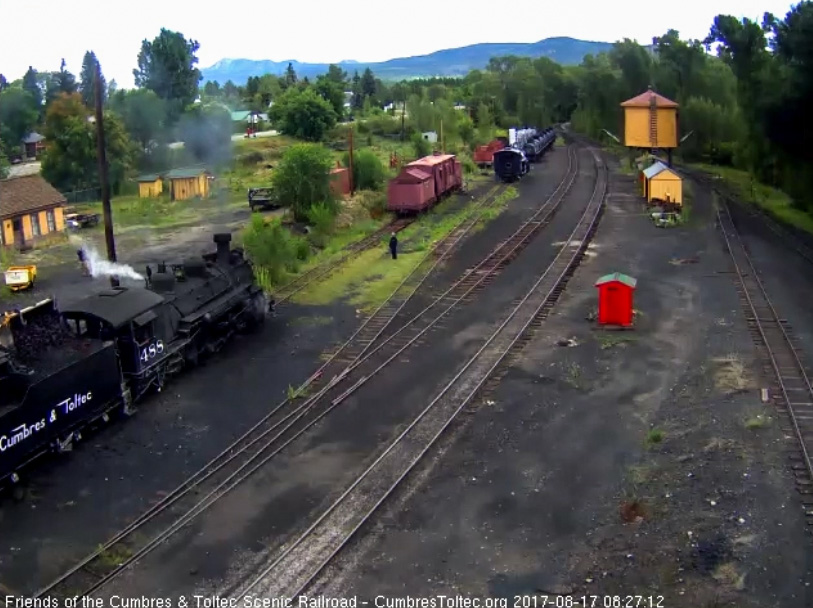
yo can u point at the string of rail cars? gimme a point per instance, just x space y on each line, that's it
63 369
380 341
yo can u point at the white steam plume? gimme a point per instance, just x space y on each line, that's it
99 267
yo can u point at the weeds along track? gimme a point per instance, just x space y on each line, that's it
792 391
283 425
299 563
287 291
762 217
156 524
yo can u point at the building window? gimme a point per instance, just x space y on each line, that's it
35 224
49 217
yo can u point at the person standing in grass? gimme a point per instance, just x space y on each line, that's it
394 246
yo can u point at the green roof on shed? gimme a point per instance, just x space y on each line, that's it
184 173
617 276
240 115
150 177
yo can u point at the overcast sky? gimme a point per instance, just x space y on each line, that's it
41 32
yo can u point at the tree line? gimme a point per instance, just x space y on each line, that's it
742 90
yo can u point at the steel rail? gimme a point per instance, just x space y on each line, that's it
235 478
335 537
446 244
771 347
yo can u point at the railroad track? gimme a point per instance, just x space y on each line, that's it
764 218
298 565
95 570
251 451
792 391
287 291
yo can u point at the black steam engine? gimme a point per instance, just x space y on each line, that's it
61 369
530 145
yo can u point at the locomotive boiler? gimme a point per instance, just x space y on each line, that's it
62 369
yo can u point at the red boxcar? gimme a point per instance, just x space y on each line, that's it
423 182
484 155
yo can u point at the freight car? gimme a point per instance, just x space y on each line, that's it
510 164
62 369
484 155
423 182
536 147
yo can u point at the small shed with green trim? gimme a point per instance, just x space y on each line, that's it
615 305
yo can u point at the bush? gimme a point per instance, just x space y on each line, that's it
272 249
375 203
322 217
302 178
421 146
368 171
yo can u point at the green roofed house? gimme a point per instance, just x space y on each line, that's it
149 186
188 183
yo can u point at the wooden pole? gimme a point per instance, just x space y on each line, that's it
442 147
352 185
403 117
102 158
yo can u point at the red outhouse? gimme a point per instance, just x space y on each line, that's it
615 299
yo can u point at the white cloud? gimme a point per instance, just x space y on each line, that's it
41 32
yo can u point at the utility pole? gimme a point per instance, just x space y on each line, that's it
442 147
403 117
100 152
350 137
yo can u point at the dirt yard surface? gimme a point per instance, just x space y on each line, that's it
609 463
75 503
237 532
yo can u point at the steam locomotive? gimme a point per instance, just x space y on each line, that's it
62 369
528 146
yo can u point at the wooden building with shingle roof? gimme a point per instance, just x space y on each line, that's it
30 208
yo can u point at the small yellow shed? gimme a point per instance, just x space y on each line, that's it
188 183
150 186
662 184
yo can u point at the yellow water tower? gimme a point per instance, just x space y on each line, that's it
651 122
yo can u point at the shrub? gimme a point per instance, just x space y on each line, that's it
421 146
368 171
322 217
272 249
375 203
302 178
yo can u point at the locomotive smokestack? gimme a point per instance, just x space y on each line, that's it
223 252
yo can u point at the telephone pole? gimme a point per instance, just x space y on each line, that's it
102 156
352 184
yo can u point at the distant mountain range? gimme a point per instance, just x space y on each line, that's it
449 62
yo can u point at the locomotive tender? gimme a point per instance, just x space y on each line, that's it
528 146
62 369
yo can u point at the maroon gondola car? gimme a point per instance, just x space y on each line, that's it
423 182
484 155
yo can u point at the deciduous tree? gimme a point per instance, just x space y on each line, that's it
303 114
302 178
166 66
70 161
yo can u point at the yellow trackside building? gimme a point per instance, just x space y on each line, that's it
650 122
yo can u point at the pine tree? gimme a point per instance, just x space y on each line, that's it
31 85
88 80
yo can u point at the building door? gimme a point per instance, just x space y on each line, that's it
17 229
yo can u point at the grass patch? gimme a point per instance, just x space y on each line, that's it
369 278
494 210
654 437
748 189
573 375
114 556
757 422
730 375
613 340
727 574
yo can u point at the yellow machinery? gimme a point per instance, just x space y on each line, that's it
20 277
